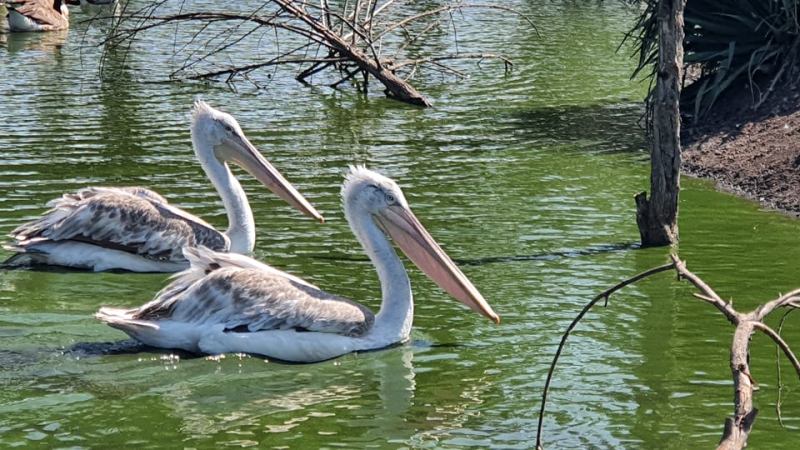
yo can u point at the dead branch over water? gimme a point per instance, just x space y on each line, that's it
736 428
357 40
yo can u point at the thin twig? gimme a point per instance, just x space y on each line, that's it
348 75
603 295
778 369
272 62
780 343
436 59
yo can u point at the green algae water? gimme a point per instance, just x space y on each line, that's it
526 179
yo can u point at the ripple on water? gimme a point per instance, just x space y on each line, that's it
525 178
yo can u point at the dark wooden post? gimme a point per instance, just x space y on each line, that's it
657 216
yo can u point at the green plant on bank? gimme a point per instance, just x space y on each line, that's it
726 43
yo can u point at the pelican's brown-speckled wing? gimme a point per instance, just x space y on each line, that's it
251 299
133 219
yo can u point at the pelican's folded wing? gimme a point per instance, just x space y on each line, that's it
134 220
253 299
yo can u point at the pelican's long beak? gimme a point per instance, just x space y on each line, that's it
415 241
250 159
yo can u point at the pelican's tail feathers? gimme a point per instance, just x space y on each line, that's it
39 227
122 319
25 255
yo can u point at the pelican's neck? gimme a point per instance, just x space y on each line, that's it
393 322
241 225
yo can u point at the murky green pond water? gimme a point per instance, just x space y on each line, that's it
526 179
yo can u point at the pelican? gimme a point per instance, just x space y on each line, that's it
135 229
37 15
233 303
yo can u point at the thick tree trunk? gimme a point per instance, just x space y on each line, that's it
657 216
737 428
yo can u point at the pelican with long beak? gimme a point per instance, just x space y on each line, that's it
232 303
135 229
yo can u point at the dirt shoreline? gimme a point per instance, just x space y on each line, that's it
751 153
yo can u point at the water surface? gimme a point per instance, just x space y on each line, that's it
527 179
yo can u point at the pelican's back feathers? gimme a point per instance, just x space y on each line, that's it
130 219
240 293
203 261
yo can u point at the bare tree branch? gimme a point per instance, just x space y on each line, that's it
737 428
352 35
786 300
709 294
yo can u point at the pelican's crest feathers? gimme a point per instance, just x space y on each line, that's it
200 109
359 175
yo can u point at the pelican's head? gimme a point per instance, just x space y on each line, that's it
368 192
220 134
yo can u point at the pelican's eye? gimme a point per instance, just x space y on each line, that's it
229 128
390 199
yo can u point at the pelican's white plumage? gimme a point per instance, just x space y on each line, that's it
136 229
232 303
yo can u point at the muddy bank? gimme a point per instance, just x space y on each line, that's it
751 153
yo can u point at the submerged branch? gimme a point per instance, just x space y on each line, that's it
438 59
272 62
353 37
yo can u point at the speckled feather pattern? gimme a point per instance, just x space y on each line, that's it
131 219
227 289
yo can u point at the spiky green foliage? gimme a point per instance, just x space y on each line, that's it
731 42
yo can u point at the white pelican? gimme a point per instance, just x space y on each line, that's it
135 229
232 303
37 15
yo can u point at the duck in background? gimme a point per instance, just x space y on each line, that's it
38 15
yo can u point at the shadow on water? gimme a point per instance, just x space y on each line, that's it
126 347
547 256
604 127
133 347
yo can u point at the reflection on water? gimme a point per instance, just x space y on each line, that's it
527 181
595 127
47 45
270 404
